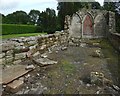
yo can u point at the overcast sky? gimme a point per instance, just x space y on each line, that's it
9 6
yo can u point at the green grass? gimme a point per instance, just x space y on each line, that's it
8 29
20 35
67 67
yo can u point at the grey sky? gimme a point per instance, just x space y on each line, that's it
9 6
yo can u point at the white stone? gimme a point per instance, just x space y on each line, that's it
17 62
88 85
116 87
44 55
64 48
10 52
43 47
32 47
30 67
36 54
2 55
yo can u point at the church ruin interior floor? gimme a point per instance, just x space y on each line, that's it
71 75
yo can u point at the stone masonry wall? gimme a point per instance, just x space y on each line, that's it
84 22
16 50
114 38
111 22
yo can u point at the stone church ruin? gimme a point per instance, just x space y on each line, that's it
57 66
90 23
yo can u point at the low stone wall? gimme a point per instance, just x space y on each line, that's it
114 38
16 50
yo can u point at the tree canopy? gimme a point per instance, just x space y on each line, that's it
34 16
18 17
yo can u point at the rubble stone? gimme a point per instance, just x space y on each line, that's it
2 55
17 61
96 53
30 67
2 61
37 53
44 62
7 46
64 48
97 78
10 52
15 86
20 56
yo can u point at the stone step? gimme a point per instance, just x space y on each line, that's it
12 73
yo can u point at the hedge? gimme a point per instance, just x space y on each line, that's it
18 29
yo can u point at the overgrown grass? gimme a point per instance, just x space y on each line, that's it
20 35
112 57
68 68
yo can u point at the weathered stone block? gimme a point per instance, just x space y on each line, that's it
43 47
30 67
97 78
15 86
10 52
2 61
32 43
32 47
7 46
37 53
20 56
96 53
21 49
44 62
9 59
2 55
17 61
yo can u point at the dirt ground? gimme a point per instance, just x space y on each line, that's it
71 75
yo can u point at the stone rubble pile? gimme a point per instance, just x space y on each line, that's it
15 50
98 79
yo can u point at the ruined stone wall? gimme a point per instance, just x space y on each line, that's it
111 22
114 38
16 50
91 23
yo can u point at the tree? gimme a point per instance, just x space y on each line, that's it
95 5
2 16
109 6
18 17
47 21
34 16
65 8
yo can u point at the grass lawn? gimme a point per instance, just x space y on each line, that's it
20 35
